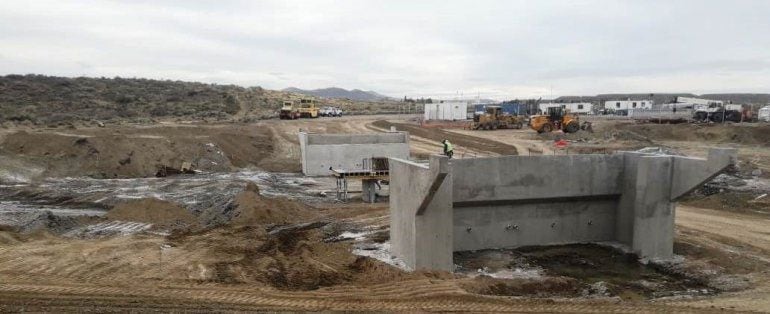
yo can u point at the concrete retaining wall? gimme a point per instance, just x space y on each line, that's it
347 151
514 201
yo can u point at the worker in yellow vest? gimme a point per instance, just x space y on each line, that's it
448 149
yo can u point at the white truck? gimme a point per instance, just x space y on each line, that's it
330 112
764 114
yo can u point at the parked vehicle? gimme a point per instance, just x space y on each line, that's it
289 111
555 119
307 108
716 112
764 114
330 112
494 118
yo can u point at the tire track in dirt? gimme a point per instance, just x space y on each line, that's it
175 297
752 233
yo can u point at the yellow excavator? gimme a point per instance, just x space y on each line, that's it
555 119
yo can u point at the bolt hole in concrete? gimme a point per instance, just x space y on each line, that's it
575 270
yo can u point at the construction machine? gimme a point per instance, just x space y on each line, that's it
494 118
307 108
556 118
717 112
288 111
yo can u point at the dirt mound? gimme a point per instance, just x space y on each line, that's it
749 134
160 213
8 238
648 134
741 202
121 152
253 209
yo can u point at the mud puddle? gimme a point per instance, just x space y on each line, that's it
580 270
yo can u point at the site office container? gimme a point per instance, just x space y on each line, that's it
576 108
447 110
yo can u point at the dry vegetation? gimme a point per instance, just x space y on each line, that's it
52 101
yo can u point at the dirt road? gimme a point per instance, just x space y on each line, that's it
740 241
473 145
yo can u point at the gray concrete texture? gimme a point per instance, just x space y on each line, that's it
421 239
513 201
347 151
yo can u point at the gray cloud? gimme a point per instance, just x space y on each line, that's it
499 49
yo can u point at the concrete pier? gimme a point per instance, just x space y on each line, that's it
369 190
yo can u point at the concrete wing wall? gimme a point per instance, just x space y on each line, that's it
423 239
646 210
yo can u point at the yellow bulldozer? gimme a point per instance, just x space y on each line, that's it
494 118
555 119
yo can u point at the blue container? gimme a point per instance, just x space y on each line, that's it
509 108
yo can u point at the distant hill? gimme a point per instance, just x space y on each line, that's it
340 93
51 100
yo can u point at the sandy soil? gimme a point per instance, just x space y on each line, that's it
244 268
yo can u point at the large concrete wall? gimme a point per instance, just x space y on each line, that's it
535 177
513 201
347 151
542 223
535 200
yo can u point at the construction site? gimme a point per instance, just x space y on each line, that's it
545 156
365 212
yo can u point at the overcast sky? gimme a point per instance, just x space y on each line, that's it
498 49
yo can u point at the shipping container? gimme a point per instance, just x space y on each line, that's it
576 108
625 105
446 110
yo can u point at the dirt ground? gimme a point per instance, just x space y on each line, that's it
283 252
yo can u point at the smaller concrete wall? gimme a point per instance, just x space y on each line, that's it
347 151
